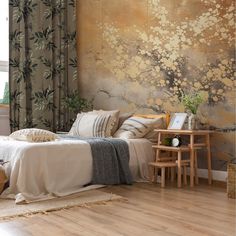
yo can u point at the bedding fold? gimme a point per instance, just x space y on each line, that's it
110 160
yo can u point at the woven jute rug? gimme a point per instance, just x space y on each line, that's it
10 210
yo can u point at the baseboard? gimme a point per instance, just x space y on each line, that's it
216 174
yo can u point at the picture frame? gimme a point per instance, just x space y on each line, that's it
177 121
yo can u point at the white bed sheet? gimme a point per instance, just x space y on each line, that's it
39 171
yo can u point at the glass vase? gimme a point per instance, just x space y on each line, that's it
192 121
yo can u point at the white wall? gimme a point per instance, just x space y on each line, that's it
4 121
216 174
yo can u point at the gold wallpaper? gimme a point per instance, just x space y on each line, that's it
138 55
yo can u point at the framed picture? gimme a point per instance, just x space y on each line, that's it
177 121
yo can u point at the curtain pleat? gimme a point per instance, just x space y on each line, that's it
42 63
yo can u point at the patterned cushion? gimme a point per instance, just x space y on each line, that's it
115 117
92 125
136 127
33 135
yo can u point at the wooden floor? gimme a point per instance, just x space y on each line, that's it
150 210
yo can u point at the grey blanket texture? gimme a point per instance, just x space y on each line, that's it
110 160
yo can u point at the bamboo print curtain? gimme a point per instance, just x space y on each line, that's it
43 63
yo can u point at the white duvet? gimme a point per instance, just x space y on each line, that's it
40 171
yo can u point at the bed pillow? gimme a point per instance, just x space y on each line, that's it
136 127
152 135
115 117
92 125
123 117
33 135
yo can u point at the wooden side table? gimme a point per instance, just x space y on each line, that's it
192 145
179 163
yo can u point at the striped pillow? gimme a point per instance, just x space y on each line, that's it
136 127
92 125
114 114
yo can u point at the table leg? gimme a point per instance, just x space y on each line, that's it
155 173
209 158
157 155
172 174
159 138
179 169
185 175
151 173
163 177
195 167
191 160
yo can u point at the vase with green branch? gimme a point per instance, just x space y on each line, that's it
191 102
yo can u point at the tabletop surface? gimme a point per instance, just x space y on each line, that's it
184 131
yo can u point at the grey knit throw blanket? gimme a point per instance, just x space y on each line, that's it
110 160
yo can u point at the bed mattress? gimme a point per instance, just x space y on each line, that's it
40 171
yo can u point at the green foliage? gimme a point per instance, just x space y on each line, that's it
77 104
191 101
73 62
70 39
22 9
53 8
43 99
5 99
43 39
167 141
24 69
15 38
52 70
15 100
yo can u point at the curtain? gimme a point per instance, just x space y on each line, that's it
42 63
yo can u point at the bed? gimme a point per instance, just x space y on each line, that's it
39 171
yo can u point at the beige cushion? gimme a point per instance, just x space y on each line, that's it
92 125
33 135
114 114
152 135
123 117
136 127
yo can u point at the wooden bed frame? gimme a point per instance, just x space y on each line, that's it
166 117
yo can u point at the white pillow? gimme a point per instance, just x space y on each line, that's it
92 125
33 135
114 114
136 127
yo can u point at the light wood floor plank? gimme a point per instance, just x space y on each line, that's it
148 211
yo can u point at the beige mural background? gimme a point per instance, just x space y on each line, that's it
138 55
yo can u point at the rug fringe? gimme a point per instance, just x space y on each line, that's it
85 205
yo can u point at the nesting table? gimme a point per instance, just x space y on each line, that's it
191 146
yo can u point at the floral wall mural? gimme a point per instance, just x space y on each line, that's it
141 55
